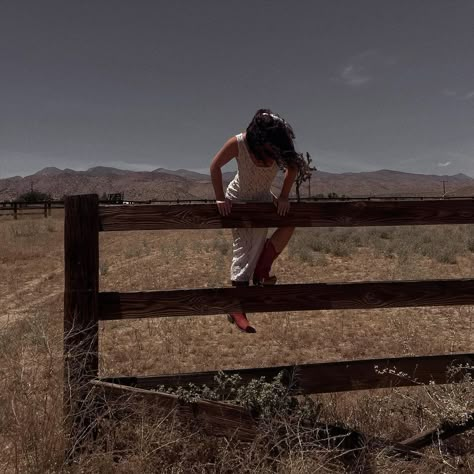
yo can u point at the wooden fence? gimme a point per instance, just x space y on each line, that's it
22 208
85 306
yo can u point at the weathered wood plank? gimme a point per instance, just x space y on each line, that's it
294 297
236 422
81 287
326 377
221 419
444 431
303 214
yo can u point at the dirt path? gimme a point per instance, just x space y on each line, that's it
34 295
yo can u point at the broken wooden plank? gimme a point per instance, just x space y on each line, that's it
324 377
444 431
222 419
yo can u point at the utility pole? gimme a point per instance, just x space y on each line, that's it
444 187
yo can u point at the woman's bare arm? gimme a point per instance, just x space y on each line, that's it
229 151
282 203
290 176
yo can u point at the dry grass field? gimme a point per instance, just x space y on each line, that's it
31 285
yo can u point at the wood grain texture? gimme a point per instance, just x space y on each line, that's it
303 214
81 284
326 377
444 431
294 297
219 418
81 287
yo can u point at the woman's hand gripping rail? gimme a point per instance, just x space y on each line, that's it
282 203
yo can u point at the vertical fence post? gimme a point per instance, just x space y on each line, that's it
15 210
45 206
81 287
49 208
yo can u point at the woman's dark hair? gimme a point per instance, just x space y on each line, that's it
268 128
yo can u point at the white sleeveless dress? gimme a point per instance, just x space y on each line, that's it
251 183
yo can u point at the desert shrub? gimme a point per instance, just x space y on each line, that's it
265 399
337 242
51 226
34 196
104 268
470 244
305 255
339 248
440 244
221 245
385 234
446 255
138 249
24 229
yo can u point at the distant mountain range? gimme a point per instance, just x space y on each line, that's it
163 184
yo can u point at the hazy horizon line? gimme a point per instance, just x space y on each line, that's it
205 171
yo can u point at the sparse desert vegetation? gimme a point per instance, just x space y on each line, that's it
146 439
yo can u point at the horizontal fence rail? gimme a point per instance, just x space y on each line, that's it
325 377
302 214
295 297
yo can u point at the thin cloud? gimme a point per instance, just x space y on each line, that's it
354 76
444 164
469 96
458 95
449 92
363 67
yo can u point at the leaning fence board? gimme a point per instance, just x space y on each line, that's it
302 214
444 431
295 297
236 422
337 376
222 418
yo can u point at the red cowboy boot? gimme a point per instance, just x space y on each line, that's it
240 319
261 274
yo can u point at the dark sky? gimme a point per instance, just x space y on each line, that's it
366 84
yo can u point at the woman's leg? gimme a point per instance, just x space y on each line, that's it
243 252
272 248
240 318
281 237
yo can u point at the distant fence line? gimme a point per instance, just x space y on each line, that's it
60 202
22 208
16 208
